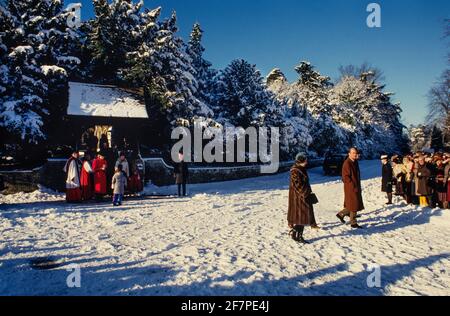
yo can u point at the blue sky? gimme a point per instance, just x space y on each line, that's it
409 47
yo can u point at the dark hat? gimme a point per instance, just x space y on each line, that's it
301 157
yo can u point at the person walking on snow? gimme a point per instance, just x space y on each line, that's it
300 208
72 168
351 176
386 179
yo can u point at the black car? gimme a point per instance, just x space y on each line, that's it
332 165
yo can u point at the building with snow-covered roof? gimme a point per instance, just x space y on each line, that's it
119 114
104 101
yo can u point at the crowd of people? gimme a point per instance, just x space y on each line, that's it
420 178
92 179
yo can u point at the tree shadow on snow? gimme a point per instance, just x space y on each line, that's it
303 285
100 276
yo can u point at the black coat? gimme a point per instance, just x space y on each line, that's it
181 172
387 176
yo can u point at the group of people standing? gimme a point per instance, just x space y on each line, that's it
302 199
90 179
421 179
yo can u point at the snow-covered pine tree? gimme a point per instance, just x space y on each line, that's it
386 115
241 97
369 114
295 120
142 64
313 88
177 76
35 61
276 78
114 32
204 74
312 91
419 137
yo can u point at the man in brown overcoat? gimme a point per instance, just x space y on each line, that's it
351 177
300 210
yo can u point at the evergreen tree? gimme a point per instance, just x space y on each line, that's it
114 33
204 74
419 138
240 95
177 76
313 88
35 47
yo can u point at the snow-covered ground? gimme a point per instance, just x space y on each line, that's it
227 239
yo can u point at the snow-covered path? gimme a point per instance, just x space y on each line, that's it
228 239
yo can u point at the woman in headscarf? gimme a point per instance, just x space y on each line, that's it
300 211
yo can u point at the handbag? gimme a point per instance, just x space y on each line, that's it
312 199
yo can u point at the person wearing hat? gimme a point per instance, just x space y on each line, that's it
72 169
386 179
300 207
421 177
408 168
351 176
99 167
440 192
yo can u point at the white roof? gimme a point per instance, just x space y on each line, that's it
104 101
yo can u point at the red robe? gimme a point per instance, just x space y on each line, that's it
135 183
87 188
99 166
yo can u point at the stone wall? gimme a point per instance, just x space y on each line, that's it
161 174
20 181
51 174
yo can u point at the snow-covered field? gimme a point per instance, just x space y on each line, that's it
227 239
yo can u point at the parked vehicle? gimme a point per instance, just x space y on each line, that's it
332 164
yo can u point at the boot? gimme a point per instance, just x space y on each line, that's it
341 218
294 235
356 226
302 241
299 230
389 196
